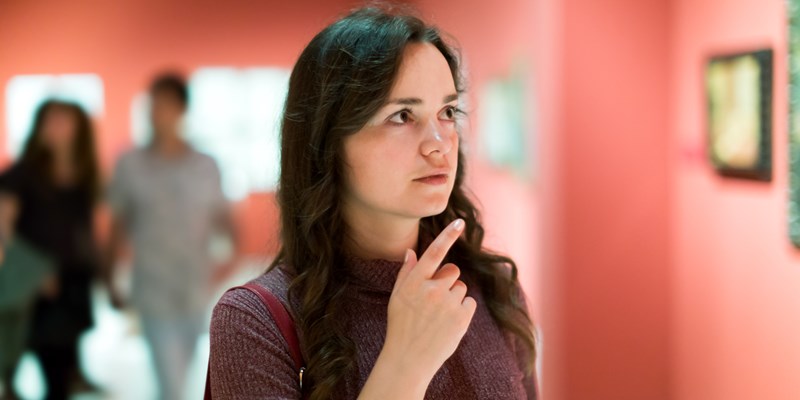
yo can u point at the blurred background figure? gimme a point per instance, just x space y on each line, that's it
48 200
167 198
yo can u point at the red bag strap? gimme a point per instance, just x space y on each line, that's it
285 325
282 318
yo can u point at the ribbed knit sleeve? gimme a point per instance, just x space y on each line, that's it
249 357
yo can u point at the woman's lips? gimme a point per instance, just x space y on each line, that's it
439 179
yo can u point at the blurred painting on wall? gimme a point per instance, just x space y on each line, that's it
505 121
739 91
794 122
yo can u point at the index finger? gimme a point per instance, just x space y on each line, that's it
437 250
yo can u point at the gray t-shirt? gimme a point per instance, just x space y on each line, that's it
169 208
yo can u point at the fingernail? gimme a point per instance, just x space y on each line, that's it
405 260
459 224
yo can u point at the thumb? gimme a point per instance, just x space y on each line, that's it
408 264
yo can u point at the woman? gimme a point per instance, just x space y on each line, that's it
54 185
371 176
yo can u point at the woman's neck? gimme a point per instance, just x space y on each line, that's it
380 236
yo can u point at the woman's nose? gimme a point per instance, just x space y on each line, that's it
436 139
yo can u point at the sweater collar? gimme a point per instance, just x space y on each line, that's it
379 274
374 275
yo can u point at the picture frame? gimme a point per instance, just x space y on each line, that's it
739 95
794 122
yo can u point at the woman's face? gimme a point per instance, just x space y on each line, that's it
59 129
403 162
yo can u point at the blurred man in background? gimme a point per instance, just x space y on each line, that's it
167 198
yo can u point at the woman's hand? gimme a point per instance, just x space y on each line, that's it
428 315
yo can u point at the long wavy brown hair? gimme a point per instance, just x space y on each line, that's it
341 79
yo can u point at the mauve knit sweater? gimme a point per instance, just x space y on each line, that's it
250 359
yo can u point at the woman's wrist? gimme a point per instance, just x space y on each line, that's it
394 378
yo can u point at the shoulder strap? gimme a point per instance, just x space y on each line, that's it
282 318
285 325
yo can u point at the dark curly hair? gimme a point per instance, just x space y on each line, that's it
341 79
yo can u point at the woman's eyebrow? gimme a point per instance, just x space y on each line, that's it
412 101
407 101
450 97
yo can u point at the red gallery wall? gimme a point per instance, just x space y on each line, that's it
603 73
736 278
661 279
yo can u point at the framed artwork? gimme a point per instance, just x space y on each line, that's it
794 121
739 92
506 116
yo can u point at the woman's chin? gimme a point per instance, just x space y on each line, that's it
429 209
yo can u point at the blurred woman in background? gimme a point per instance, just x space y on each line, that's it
55 186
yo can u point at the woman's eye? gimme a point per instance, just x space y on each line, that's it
449 113
401 117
